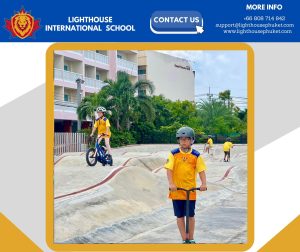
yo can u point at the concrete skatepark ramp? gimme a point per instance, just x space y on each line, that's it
128 203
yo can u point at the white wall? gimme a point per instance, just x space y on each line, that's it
173 82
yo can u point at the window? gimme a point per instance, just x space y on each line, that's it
142 71
66 97
97 76
97 51
119 56
66 68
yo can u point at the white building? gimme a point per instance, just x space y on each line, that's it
172 77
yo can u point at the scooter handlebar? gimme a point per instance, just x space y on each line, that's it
192 189
186 190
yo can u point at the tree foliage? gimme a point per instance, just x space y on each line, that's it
139 117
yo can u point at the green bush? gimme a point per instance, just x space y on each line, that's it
86 131
119 138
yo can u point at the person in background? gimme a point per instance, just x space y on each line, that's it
209 144
226 147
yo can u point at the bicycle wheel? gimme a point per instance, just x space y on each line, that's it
90 157
108 159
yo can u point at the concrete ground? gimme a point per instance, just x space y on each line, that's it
127 203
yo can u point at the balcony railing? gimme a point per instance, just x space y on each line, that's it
98 57
59 102
128 65
60 74
65 107
68 76
89 82
80 52
142 77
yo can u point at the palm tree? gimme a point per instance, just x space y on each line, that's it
226 96
144 103
89 103
214 114
142 86
119 98
87 107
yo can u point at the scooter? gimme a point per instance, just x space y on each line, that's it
187 210
98 154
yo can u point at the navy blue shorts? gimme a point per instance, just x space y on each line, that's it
180 206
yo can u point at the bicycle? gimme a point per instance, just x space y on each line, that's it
98 154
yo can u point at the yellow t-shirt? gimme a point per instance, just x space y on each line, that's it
210 142
227 146
185 167
101 124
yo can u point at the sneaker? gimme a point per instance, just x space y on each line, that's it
192 241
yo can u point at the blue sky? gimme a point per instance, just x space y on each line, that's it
220 70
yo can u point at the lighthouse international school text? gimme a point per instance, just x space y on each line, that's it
87 23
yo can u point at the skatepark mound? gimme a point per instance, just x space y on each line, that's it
127 203
135 191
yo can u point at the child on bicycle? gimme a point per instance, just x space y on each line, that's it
182 166
103 126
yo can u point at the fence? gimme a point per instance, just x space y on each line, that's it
69 142
169 137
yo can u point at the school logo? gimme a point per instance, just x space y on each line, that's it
22 24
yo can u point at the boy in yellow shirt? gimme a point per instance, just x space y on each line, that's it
226 147
182 166
103 126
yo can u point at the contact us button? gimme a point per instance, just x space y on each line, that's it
176 22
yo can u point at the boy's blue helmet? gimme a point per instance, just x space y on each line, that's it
185 132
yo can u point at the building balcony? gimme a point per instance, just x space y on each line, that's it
65 110
71 77
80 52
142 77
93 83
128 65
64 104
60 74
96 57
73 54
